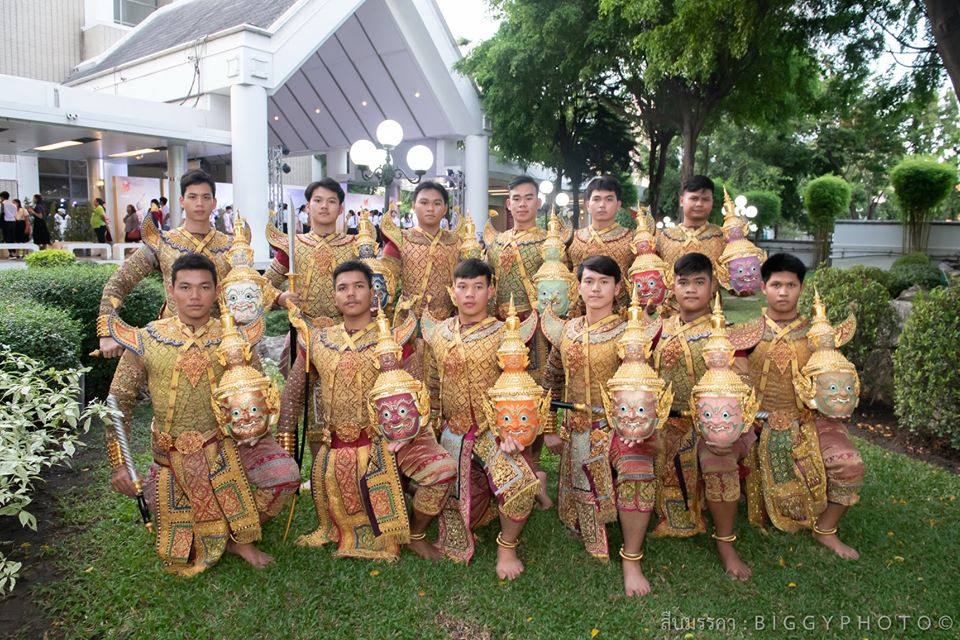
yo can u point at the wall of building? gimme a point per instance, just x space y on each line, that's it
878 243
42 38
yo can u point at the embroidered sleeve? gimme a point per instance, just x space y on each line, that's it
131 272
554 378
128 380
291 402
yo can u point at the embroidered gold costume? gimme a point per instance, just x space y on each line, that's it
204 488
583 359
356 481
425 265
679 359
674 242
461 368
160 249
515 256
613 241
802 459
316 258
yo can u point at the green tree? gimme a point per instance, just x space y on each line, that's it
542 105
921 185
826 198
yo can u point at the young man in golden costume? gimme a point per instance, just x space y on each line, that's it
694 233
495 474
217 473
357 472
604 237
806 472
318 252
684 458
613 412
161 248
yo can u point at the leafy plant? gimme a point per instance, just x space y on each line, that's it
826 198
926 376
42 332
921 185
42 424
904 276
50 258
768 208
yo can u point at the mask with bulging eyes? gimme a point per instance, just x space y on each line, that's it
399 417
650 287
381 293
244 300
745 274
247 415
518 419
634 413
720 420
556 292
836 393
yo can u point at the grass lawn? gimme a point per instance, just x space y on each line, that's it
906 530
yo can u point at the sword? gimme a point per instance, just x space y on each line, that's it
121 435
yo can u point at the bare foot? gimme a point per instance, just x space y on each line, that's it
543 500
509 566
424 549
305 485
732 564
634 582
836 545
256 558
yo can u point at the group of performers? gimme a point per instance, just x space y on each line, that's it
618 358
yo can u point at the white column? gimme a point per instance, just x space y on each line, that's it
337 165
248 126
176 167
110 170
28 175
475 174
316 168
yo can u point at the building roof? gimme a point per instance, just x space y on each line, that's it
180 23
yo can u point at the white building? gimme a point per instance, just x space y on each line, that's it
217 82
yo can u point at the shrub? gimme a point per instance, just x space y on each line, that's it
904 276
42 424
51 258
76 290
78 228
927 379
914 257
920 186
277 322
43 333
826 198
871 347
873 274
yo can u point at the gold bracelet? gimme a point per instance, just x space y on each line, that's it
824 532
506 545
730 538
632 557
115 455
103 331
287 442
418 536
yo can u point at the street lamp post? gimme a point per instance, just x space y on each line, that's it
377 162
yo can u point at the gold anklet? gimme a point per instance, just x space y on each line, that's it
632 557
418 536
824 532
730 538
507 545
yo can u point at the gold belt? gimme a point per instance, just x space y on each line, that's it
186 442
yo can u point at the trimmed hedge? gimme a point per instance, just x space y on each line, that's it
277 322
51 258
871 347
926 375
76 290
43 333
873 274
914 257
904 276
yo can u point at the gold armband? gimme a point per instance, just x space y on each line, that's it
103 330
115 455
287 441
550 427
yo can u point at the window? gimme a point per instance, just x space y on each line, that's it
62 179
132 12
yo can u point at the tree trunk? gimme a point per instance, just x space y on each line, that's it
657 166
705 157
944 17
690 132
